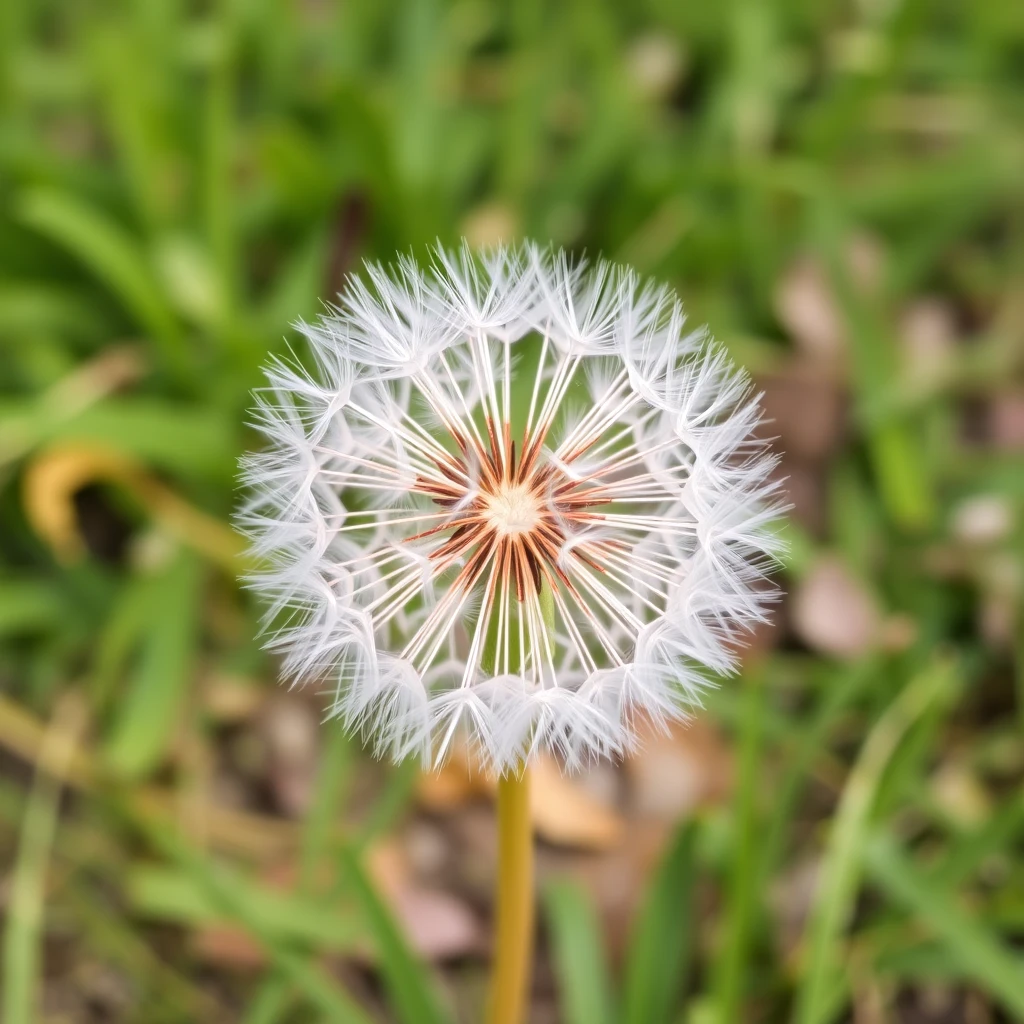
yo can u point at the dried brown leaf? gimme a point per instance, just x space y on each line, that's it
675 772
437 924
292 735
834 612
808 311
563 811
804 410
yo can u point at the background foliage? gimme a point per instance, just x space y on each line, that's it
837 188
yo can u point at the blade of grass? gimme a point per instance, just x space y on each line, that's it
419 46
520 140
119 940
30 307
754 93
27 605
332 779
116 258
187 438
217 131
299 283
898 464
271 1002
662 937
977 952
730 964
177 896
967 852
391 803
841 868
127 77
274 995
840 690
118 640
230 899
24 924
580 963
408 982
148 716
1019 659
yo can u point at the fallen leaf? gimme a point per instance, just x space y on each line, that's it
452 785
566 814
436 923
833 612
1006 420
982 520
474 849
292 734
808 311
388 865
427 848
51 481
804 410
228 946
802 489
675 772
55 475
897 633
806 305
563 811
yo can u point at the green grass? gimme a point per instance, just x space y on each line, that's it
187 179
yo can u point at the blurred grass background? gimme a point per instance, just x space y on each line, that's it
837 188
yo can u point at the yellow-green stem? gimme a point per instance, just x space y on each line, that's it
513 947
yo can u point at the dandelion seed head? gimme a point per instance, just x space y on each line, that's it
513 498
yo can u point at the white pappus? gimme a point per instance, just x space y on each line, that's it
514 497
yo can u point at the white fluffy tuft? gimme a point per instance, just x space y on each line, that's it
648 596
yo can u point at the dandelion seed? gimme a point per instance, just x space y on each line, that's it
515 498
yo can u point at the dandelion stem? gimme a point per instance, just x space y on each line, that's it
510 980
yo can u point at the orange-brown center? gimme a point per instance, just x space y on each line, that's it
518 514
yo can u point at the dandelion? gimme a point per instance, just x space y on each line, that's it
514 499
